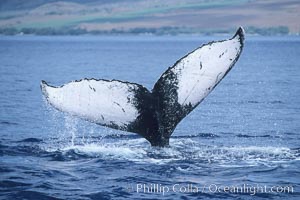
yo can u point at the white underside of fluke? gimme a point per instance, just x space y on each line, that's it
99 101
201 70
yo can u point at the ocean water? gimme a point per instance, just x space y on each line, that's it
241 142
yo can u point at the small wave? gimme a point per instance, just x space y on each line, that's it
31 140
252 102
32 195
262 102
200 135
8 123
9 184
20 80
290 133
119 136
276 102
21 150
255 136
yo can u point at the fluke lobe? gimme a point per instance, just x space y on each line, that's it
152 114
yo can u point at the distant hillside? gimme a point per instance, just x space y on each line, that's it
6 5
51 17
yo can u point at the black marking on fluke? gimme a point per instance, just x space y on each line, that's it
159 110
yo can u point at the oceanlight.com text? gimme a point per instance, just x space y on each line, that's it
251 189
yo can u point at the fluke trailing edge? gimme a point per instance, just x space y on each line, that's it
151 114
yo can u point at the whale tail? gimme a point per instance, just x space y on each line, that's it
153 115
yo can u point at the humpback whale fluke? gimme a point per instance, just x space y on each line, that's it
152 114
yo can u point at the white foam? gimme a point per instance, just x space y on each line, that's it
138 150
108 151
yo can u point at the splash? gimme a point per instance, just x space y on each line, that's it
79 139
183 149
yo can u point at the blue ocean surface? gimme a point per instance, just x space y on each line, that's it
241 142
